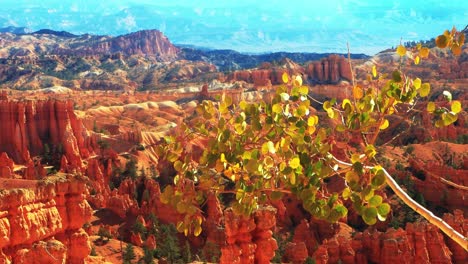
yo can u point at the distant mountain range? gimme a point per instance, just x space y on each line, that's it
143 42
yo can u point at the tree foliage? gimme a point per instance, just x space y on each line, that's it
259 151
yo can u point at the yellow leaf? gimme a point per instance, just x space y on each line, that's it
416 60
456 49
312 121
303 90
384 125
223 158
461 39
418 46
424 52
292 178
441 41
355 158
285 77
197 230
417 83
268 147
298 81
456 107
295 163
431 107
277 109
374 71
357 92
346 102
425 89
351 176
401 50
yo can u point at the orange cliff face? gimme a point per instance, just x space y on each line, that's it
27 126
43 216
330 70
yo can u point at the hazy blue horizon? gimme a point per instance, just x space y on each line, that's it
267 26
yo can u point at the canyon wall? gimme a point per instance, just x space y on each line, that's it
39 217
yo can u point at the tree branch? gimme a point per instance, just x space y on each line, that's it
441 224
458 186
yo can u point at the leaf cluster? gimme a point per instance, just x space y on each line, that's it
259 151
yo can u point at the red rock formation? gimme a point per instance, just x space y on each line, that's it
135 239
329 70
79 247
44 210
266 245
6 166
51 251
434 190
296 252
150 242
245 236
27 126
145 42
459 223
418 243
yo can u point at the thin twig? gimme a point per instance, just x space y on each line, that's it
458 186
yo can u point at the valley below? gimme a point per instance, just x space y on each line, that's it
83 175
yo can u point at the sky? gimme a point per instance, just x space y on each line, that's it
249 26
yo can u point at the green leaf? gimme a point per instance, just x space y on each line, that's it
369 215
340 128
342 210
368 193
396 76
252 166
376 200
378 180
383 209
276 196
456 107
425 89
